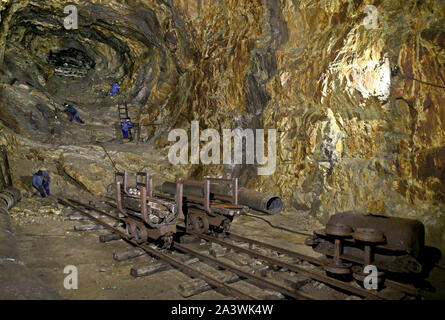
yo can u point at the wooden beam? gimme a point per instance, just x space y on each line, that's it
126 255
6 164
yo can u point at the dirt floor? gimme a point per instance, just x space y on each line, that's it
48 243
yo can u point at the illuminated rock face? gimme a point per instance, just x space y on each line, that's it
349 134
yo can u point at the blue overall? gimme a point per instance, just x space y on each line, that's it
41 183
74 114
125 126
115 89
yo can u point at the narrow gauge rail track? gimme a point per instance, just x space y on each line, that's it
312 274
410 290
187 269
264 282
156 253
316 261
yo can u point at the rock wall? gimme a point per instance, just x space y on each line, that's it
315 73
351 133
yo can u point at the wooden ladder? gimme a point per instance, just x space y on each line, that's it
123 115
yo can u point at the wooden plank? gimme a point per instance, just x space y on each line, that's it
196 286
218 252
109 237
189 239
126 255
69 213
239 259
145 269
89 227
78 217
271 295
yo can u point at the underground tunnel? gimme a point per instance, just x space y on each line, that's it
292 143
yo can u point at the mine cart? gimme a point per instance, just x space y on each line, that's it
145 216
203 214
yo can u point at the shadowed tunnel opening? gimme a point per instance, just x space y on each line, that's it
274 205
79 66
97 51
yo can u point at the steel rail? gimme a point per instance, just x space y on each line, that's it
176 263
394 284
262 282
275 248
95 209
312 274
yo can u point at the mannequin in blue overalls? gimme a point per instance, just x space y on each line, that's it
125 127
74 114
40 181
115 89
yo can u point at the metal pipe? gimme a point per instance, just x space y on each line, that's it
253 199
7 200
9 197
15 193
260 201
235 191
188 190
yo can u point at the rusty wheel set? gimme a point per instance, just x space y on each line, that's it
390 244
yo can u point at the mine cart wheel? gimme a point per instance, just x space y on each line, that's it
338 268
368 235
189 223
359 275
312 241
338 230
167 241
199 222
140 235
410 264
129 229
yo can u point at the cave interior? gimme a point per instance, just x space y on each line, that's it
353 89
